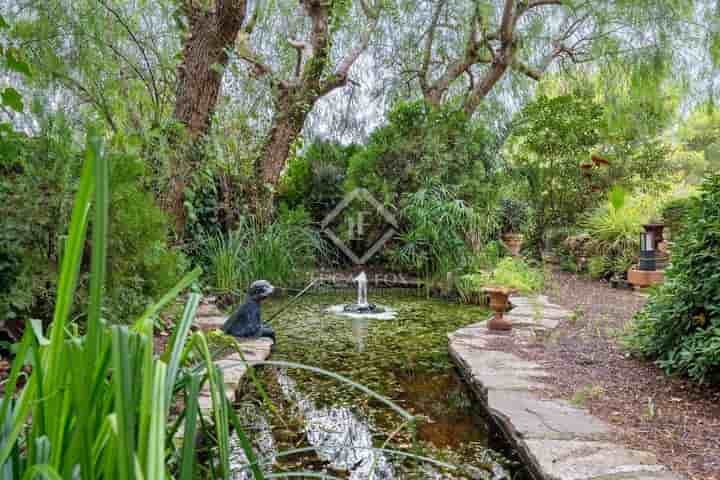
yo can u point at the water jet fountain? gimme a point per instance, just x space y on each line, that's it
362 309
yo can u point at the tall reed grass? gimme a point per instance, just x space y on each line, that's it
281 252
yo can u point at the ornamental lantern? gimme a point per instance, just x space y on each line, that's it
648 246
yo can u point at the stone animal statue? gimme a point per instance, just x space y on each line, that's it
246 321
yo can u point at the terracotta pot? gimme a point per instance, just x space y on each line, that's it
499 303
514 242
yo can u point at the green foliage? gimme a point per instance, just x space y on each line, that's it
94 427
281 253
680 325
116 406
516 273
549 138
598 267
141 264
436 227
314 178
513 215
698 152
674 214
36 186
615 232
421 143
510 272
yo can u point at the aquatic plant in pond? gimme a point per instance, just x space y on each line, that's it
405 359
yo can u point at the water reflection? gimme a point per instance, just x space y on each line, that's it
341 438
360 332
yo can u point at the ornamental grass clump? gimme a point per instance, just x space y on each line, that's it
680 325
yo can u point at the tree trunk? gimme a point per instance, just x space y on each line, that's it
199 79
286 128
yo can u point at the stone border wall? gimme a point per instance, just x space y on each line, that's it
555 439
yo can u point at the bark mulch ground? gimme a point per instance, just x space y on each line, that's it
672 417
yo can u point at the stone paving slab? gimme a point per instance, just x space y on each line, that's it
210 322
208 310
541 323
233 368
577 460
534 418
556 440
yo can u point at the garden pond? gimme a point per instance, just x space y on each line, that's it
327 427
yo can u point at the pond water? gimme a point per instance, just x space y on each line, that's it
331 428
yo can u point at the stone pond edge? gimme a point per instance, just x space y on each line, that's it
528 450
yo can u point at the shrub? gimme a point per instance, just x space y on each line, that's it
141 264
513 215
421 142
597 267
314 178
435 229
517 273
614 228
549 137
680 325
674 214
510 272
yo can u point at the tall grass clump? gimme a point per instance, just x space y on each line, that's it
97 405
281 252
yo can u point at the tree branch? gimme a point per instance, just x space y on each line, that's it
507 22
300 46
427 54
250 26
340 77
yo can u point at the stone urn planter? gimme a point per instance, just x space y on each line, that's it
499 303
514 242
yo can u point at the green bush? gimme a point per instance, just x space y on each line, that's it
422 143
141 264
435 229
517 273
510 272
513 215
36 186
597 267
680 325
314 178
674 214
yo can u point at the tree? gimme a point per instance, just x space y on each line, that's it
550 138
314 74
698 152
470 47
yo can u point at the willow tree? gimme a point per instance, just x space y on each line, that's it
326 42
466 49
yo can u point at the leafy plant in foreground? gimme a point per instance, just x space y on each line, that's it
680 325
